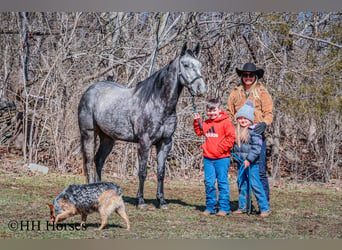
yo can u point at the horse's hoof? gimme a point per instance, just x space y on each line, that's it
142 206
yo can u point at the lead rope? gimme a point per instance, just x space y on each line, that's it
249 191
195 111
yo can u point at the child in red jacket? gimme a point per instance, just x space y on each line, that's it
219 139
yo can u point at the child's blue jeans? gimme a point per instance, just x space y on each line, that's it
256 186
217 169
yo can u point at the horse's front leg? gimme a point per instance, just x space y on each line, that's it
143 149
163 149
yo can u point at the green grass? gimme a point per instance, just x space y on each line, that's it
298 212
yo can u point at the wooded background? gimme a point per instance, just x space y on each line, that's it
48 59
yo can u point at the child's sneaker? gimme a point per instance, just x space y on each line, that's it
265 214
206 213
238 212
221 213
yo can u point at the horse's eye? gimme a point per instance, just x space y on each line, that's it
186 65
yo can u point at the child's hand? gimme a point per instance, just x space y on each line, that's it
196 116
247 163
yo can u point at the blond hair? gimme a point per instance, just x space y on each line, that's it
242 134
253 91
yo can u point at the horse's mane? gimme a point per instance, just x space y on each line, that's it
151 85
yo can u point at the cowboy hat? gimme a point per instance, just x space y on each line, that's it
250 67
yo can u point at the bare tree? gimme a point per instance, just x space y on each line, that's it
49 59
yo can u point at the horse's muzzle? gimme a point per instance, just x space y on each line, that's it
198 88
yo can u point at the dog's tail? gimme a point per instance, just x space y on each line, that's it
52 212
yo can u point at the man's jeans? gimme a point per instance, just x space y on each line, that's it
217 169
263 169
256 186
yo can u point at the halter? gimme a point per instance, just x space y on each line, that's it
180 75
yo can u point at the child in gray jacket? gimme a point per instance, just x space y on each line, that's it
247 148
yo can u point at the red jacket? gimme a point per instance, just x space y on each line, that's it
219 136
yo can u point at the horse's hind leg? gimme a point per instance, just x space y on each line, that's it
88 147
106 145
163 149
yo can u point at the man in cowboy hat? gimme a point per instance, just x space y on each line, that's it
252 89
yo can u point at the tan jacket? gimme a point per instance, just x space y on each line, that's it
263 105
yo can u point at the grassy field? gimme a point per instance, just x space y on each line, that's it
298 212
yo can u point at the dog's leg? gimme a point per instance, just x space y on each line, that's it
106 208
83 220
109 202
122 212
64 215
104 221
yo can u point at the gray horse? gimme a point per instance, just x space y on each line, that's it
145 114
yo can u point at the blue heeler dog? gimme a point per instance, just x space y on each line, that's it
102 197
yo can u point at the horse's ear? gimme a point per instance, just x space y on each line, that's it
185 47
197 50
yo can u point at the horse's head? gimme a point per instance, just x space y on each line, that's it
190 70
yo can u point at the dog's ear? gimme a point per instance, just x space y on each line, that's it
52 210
